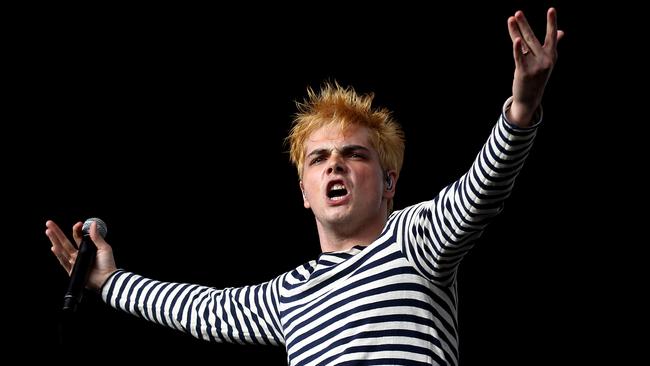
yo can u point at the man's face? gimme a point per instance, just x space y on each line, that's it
342 180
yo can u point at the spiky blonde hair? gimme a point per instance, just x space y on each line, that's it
336 104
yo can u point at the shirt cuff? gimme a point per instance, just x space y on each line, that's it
103 291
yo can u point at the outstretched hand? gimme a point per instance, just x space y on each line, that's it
533 65
66 252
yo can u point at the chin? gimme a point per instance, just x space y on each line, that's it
339 216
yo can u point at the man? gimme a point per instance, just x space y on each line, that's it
383 291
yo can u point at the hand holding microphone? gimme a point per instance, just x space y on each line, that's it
90 265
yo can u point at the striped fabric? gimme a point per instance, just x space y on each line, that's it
390 303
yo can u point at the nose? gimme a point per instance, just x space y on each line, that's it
336 165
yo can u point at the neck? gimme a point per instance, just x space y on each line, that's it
334 238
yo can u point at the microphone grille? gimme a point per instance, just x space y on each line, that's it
101 226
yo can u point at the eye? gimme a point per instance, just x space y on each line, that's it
316 160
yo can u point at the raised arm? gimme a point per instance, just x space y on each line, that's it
435 235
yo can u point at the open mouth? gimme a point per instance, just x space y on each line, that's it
336 190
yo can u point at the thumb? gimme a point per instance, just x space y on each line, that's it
99 241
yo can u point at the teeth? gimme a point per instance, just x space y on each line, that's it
338 186
337 198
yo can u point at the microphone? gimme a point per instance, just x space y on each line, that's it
83 265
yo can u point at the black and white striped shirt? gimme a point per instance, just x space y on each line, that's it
391 303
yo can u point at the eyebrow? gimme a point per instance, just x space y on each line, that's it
345 150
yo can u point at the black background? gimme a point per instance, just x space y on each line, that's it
169 123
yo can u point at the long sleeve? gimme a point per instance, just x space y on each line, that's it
246 315
436 234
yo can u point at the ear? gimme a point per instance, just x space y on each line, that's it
390 184
304 196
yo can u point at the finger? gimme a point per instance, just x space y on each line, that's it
560 34
64 257
529 37
517 51
64 260
57 238
77 233
551 29
514 32
513 29
99 241
55 233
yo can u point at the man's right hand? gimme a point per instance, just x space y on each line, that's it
66 253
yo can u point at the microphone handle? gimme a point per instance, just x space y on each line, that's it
80 273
